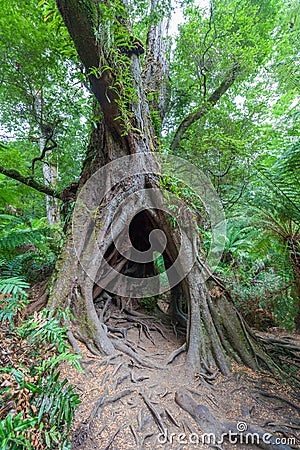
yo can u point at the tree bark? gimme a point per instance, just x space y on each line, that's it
156 67
52 207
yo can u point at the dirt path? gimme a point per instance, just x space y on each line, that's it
126 405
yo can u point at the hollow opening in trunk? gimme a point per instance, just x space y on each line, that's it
162 254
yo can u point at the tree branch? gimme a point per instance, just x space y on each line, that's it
199 113
42 156
82 19
28 181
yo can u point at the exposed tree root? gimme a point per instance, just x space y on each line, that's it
278 398
157 418
119 346
98 404
73 342
175 353
161 416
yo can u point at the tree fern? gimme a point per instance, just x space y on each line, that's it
283 180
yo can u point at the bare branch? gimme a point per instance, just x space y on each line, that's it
43 154
29 181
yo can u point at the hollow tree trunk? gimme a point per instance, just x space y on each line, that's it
215 331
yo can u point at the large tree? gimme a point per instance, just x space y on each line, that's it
130 84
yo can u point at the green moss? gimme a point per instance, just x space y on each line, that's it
90 10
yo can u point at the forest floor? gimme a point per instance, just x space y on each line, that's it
127 402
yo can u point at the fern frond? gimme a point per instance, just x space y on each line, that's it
13 286
22 237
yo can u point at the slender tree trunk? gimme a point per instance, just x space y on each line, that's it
294 246
52 207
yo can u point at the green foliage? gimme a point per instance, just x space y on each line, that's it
45 328
39 90
182 191
149 303
265 299
28 246
13 285
53 18
56 399
10 432
248 143
257 270
13 298
48 402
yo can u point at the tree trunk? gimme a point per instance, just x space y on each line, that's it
216 333
52 207
294 246
119 205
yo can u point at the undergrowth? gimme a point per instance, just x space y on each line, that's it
36 406
28 247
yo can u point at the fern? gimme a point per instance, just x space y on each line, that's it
22 237
284 182
49 403
16 258
57 400
15 300
13 286
11 432
44 327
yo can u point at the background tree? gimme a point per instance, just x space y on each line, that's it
37 105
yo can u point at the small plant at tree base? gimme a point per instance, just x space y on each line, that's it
149 303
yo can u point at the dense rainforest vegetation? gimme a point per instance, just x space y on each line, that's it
84 83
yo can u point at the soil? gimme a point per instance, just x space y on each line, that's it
128 400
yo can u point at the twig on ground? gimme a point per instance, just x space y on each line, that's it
112 438
172 419
134 433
